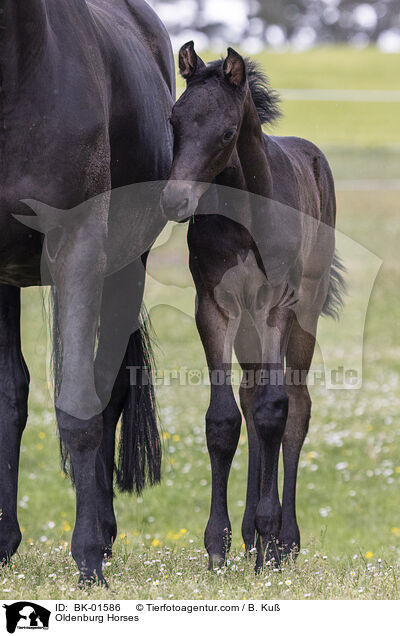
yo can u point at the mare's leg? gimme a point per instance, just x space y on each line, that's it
14 386
78 274
298 360
270 409
121 303
223 422
247 349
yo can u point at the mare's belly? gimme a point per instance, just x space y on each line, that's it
20 252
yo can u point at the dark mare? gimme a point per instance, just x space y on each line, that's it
86 88
263 262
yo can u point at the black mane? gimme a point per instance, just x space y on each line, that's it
265 98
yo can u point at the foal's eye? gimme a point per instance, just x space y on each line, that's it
228 135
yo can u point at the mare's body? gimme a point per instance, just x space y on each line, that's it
86 90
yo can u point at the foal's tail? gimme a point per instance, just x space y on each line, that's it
139 456
139 452
337 288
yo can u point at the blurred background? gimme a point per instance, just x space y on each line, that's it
298 24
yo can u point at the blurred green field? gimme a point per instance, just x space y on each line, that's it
349 477
346 123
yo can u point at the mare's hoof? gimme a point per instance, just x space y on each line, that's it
5 557
86 581
216 562
249 549
7 549
108 552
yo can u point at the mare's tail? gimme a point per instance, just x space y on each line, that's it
337 288
139 452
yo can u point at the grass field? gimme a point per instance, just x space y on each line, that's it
349 478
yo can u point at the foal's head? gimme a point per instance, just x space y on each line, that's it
207 121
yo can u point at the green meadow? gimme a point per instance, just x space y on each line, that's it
349 476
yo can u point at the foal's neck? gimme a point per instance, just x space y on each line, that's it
249 168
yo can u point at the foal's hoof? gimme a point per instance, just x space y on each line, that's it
269 556
217 541
289 550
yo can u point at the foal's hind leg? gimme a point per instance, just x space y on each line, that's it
270 409
14 385
248 352
253 470
223 422
298 360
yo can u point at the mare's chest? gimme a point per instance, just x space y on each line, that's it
225 262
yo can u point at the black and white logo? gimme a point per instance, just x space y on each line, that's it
26 615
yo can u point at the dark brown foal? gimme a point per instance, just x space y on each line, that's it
261 244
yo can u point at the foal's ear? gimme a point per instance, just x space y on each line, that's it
189 61
235 68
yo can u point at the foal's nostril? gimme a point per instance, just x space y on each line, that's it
184 206
175 209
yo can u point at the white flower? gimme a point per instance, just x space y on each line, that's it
324 512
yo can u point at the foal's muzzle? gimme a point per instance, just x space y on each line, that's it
176 201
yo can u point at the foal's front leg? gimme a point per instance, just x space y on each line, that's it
270 410
223 422
298 359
